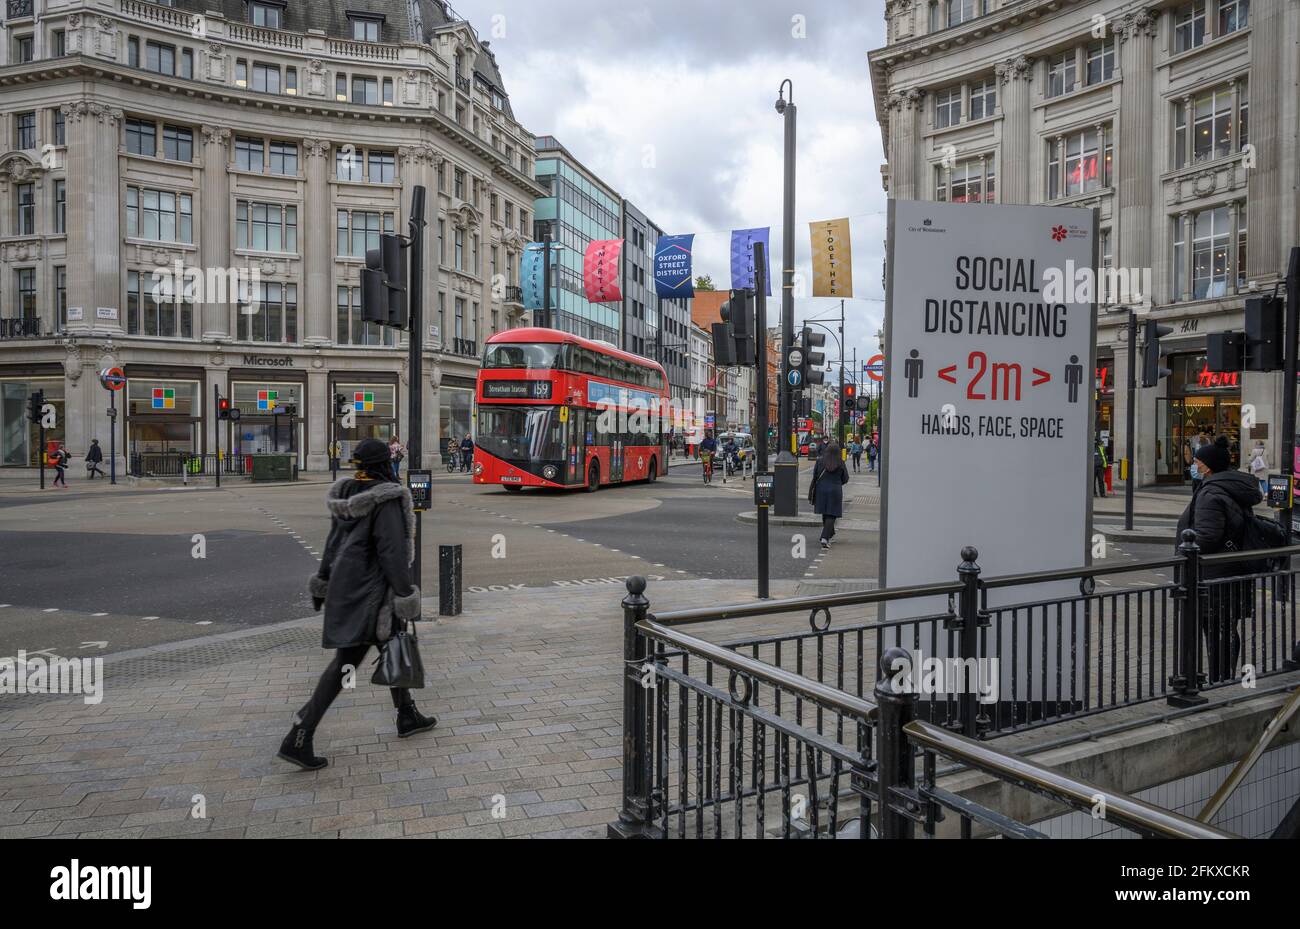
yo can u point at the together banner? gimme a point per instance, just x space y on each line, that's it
531 275
673 272
600 271
832 258
742 258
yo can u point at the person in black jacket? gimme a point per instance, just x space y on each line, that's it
466 452
1220 506
94 456
827 491
364 584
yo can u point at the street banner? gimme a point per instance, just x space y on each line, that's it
673 266
832 258
531 275
988 414
742 258
600 271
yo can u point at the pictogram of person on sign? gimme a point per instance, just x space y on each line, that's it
914 370
1073 378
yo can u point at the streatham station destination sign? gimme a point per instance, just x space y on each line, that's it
988 417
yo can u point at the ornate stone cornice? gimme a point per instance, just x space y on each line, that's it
465 216
911 99
419 154
78 110
1015 69
316 148
1138 24
18 168
215 135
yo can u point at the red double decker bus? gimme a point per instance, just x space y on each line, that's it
556 410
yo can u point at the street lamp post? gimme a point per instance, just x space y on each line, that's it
786 476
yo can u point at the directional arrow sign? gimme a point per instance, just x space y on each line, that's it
947 374
1041 377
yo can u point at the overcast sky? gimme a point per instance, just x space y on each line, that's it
671 103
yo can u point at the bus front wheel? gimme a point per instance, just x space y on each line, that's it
593 478
654 471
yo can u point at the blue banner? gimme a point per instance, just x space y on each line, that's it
530 276
673 273
742 258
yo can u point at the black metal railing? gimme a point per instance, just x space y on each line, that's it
462 83
1019 664
514 294
15 9
465 347
185 465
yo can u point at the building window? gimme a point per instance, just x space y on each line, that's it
442 243
25 130
351 329
273 318
1061 74
1210 132
947 108
133 51
61 296
1101 61
266 78
147 315
388 91
241 72
159 215
24 49
250 154
460 249
1241 246
187 63
1080 162
291 80
160 58
359 231
365 30
284 158
365 90
1233 15
961 11
460 319
970 181
382 167
26 292
1210 243
58 43
983 98
25 201
264 14
348 164
341 87
178 143
60 207
60 128
141 138
1106 251
458 185
1189 26
266 227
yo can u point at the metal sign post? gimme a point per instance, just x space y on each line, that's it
112 380
763 480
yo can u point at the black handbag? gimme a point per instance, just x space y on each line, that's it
812 489
399 663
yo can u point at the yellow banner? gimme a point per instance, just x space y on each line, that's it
832 258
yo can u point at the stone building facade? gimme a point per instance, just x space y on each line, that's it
1176 120
265 145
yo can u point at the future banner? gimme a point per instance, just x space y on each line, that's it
988 414
600 271
673 266
531 275
742 258
832 258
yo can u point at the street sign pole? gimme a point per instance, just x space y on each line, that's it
112 437
216 428
760 413
416 322
1290 364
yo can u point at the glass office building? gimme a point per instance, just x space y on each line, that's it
580 210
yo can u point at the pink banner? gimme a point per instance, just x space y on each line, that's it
600 267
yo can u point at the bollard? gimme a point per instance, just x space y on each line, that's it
633 817
895 768
974 722
449 578
1187 678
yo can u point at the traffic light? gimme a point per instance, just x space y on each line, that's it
340 404
738 313
36 407
1265 322
809 360
1225 351
1151 370
383 284
226 411
864 402
724 345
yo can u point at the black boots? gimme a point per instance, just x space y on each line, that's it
296 749
410 721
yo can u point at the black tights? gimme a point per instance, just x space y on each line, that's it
828 528
331 682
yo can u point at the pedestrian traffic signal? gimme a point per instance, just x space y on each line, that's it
1225 351
383 284
36 407
340 404
225 410
738 314
1151 370
1265 322
811 361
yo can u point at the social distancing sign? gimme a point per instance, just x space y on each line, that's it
990 338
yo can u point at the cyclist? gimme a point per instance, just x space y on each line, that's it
708 448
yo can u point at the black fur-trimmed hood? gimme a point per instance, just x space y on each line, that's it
350 500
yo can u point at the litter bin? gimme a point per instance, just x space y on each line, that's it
272 468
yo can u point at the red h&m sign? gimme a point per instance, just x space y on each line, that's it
1208 378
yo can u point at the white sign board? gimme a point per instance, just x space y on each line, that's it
990 330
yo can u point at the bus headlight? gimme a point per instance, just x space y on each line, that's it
550 472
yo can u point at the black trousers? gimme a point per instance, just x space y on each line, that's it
59 477
331 682
1099 482
828 528
94 469
857 462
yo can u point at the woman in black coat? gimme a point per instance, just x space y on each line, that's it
827 491
1222 501
364 584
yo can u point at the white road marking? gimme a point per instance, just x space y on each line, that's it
53 609
204 622
148 617
3 605
98 614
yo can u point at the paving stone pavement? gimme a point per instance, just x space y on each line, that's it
525 685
